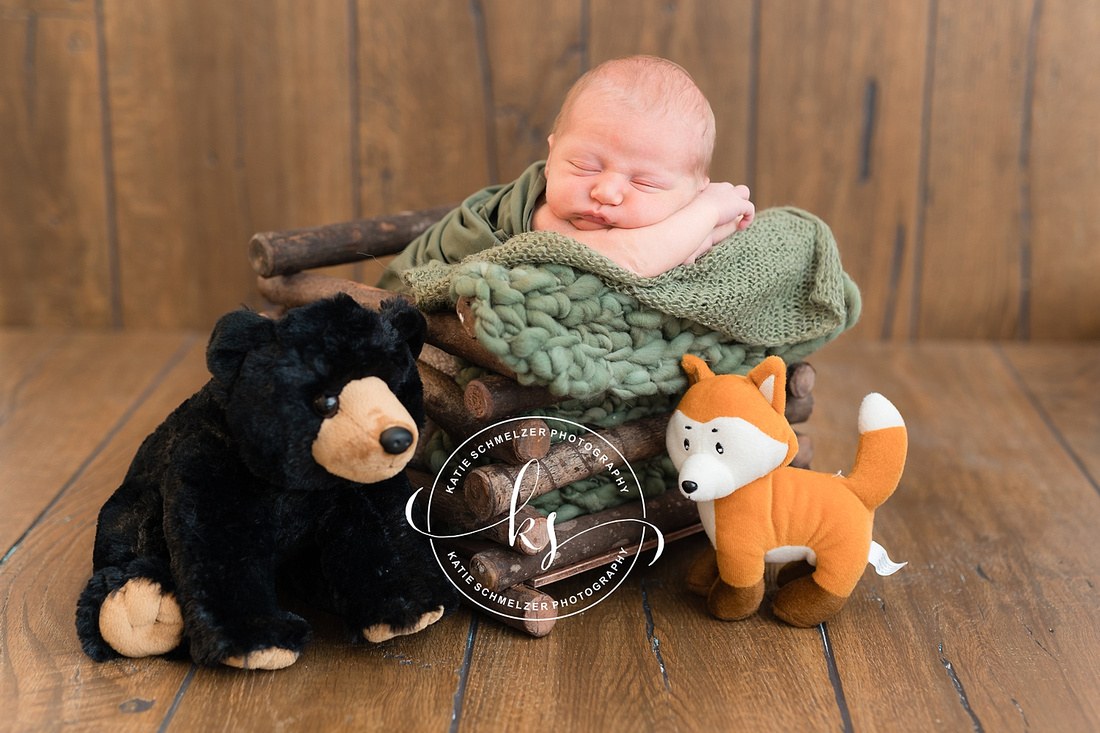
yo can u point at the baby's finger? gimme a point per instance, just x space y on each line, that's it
742 191
748 216
722 231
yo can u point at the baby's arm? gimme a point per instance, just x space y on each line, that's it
718 211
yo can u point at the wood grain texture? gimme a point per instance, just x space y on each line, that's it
593 672
45 679
55 258
175 138
407 683
1062 380
421 115
1063 174
295 101
983 628
967 290
839 135
534 54
950 146
247 139
780 673
90 382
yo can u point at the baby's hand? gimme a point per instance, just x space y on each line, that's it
731 204
732 208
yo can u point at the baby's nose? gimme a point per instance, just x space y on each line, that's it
608 191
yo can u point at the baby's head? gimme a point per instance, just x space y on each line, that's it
630 146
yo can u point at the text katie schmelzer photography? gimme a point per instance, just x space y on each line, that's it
597 451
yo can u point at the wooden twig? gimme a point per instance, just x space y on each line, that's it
286 252
440 359
805 452
595 534
305 287
420 452
495 396
528 610
798 409
489 488
453 508
443 401
801 377
567 571
446 332
466 315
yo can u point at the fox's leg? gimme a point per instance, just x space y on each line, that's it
732 603
703 572
738 591
804 603
811 599
793 571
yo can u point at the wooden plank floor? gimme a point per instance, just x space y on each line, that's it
993 625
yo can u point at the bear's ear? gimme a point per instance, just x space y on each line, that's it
235 334
407 321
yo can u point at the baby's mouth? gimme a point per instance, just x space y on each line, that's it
596 219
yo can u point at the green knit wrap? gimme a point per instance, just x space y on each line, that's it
561 315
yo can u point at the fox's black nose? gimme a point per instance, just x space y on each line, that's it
395 440
688 486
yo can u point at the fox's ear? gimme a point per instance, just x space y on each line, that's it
697 369
770 377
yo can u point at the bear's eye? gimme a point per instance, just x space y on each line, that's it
718 447
687 444
326 405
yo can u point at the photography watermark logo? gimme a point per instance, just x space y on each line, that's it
600 459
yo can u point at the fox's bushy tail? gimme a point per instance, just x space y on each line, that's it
880 460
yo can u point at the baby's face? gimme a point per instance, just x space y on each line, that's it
610 167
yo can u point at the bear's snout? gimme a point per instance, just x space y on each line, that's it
396 440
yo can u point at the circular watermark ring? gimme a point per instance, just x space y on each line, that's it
464 459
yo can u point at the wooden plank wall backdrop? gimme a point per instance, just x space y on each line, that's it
954 147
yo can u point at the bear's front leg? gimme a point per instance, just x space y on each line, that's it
381 574
224 548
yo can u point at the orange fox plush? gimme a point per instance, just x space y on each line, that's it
731 444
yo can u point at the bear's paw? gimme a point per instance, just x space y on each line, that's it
140 620
383 632
270 658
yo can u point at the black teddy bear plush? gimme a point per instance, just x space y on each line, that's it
289 464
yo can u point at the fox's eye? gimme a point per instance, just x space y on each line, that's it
718 447
326 405
687 444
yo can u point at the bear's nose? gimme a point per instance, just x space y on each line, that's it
689 486
395 440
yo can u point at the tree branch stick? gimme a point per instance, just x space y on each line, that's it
499 567
293 250
489 488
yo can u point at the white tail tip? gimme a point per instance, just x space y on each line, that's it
877 413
